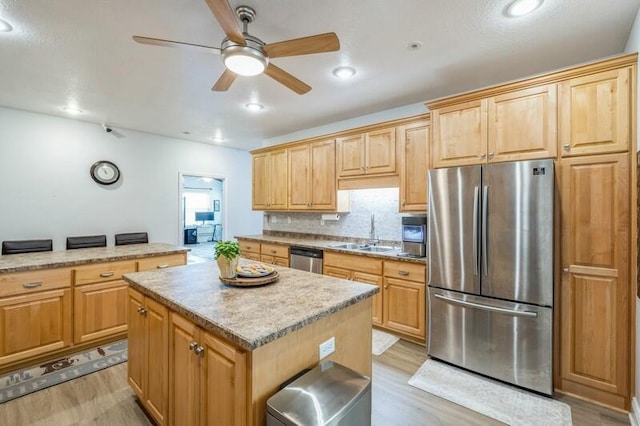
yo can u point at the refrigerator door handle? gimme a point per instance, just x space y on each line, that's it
485 228
476 242
487 307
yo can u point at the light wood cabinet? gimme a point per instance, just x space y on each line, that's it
368 153
595 113
208 384
148 354
312 176
250 250
276 254
518 125
270 180
161 262
413 147
595 288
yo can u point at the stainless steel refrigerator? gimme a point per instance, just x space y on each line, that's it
491 270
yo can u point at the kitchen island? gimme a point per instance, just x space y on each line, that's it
202 352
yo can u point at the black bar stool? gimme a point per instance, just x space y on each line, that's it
132 238
86 242
26 246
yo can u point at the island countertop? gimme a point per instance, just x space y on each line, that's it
58 259
249 316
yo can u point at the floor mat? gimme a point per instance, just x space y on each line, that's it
382 341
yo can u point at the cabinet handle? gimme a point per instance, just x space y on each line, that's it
143 312
483 156
404 203
106 274
491 155
565 269
274 251
140 310
34 284
404 273
566 147
363 168
166 265
193 345
386 287
199 351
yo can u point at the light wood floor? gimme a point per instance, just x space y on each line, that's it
104 398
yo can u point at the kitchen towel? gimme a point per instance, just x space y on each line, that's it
381 341
502 402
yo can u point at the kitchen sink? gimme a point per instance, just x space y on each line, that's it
350 246
363 247
376 249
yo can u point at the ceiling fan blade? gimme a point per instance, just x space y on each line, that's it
170 43
320 43
225 81
286 79
227 20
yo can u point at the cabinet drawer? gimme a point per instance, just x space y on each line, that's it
275 250
249 247
161 262
251 256
353 262
405 271
32 281
101 272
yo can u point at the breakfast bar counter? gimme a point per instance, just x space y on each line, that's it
232 347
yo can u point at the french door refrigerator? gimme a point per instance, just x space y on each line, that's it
491 270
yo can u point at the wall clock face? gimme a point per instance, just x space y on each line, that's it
105 172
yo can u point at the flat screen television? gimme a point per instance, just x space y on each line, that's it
204 216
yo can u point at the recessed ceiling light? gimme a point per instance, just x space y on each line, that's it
522 7
5 26
344 72
72 110
254 106
414 45
217 139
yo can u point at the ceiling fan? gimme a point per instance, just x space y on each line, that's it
247 55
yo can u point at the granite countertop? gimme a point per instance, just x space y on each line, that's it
249 316
327 245
58 259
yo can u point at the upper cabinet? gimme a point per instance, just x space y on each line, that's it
413 160
312 176
270 180
595 113
517 125
368 153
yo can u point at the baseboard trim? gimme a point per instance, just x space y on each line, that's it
634 415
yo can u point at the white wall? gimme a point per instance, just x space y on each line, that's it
46 190
633 45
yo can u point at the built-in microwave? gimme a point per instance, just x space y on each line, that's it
414 235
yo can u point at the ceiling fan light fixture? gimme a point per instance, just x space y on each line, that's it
72 110
344 72
5 27
254 106
244 60
519 8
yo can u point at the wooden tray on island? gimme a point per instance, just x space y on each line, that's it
251 282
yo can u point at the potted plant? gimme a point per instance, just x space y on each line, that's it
227 254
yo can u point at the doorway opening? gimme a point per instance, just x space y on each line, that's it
202 212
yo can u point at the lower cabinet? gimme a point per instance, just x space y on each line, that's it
208 384
250 250
148 354
275 254
100 310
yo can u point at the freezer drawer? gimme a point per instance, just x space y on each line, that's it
508 341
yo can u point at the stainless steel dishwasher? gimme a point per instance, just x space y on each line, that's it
306 259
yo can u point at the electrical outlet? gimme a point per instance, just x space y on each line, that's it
274 219
327 348
288 219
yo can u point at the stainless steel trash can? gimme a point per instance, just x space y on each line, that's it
329 394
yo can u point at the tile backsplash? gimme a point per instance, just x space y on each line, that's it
383 203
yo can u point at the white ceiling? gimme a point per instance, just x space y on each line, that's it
79 51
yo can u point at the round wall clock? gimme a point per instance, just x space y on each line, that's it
105 172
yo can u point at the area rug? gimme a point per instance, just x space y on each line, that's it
26 381
502 402
381 341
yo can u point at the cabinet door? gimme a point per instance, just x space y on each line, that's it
281 261
522 125
267 258
260 182
380 151
350 155
184 376
34 324
323 175
405 307
156 318
100 310
595 113
224 384
376 280
413 140
334 272
137 343
595 294
460 134
299 160
278 175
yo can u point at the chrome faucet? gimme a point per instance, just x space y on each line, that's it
373 238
